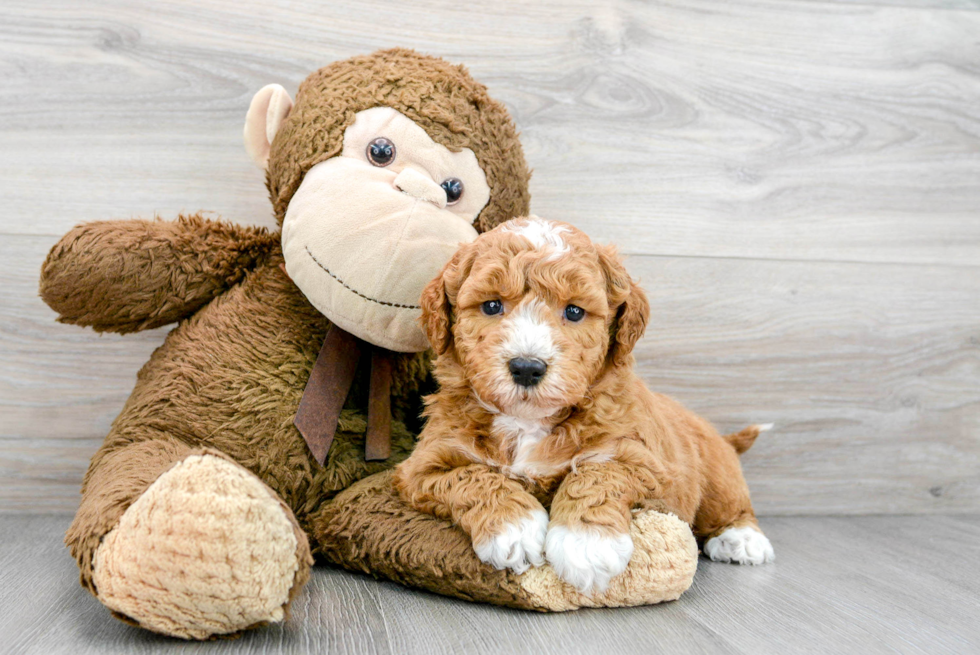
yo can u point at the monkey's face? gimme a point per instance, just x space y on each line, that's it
367 229
384 164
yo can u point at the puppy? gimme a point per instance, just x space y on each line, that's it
542 439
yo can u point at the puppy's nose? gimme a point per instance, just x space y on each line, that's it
527 372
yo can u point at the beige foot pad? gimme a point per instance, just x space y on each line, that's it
206 550
368 528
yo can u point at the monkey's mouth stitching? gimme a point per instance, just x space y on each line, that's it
355 291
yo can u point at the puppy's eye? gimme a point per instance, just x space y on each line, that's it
492 307
574 313
453 187
381 152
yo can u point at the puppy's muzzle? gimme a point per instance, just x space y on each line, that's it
527 372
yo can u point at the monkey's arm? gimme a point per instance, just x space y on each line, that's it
126 276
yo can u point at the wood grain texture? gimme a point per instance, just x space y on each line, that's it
753 129
796 182
894 584
871 384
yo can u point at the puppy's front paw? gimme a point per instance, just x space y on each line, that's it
518 545
743 545
587 560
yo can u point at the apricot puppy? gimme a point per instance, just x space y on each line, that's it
542 439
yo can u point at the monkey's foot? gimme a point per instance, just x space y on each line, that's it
207 550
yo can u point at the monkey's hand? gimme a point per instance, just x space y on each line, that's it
126 276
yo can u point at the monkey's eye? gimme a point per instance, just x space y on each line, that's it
453 187
574 313
381 152
492 307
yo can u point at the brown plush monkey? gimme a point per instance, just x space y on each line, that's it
201 509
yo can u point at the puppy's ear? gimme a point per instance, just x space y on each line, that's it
437 314
630 301
438 298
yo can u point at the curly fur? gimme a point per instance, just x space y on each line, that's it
590 442
228 379
452 107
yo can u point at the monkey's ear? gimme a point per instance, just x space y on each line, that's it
268 109
633 310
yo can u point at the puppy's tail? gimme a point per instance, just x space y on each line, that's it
743 439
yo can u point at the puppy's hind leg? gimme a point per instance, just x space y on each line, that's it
725 522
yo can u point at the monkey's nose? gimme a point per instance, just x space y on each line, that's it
527 372
420 186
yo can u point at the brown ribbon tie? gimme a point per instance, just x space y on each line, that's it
377 446
326 391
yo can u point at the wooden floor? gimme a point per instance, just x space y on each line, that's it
895 584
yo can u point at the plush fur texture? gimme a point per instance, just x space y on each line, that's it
126 276
370 529
227 381
229 377
587 443
453 108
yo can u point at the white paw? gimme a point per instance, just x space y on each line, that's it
587 560
518 546
743 545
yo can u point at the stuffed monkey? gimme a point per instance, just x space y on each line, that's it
235 459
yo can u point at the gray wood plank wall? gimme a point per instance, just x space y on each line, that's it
797 184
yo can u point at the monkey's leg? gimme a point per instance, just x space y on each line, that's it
370 529
125 276
185 542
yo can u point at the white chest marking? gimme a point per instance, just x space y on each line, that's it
525 435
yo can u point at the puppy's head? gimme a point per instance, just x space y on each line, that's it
531 315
